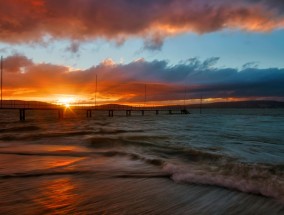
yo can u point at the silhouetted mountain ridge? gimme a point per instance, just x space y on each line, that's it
241 104
237 104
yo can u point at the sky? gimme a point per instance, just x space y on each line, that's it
134 51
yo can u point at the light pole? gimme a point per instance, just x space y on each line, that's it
96 91
1 80
201 98
145 95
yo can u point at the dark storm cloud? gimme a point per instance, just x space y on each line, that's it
24 21
273 4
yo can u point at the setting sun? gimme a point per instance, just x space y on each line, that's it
66 101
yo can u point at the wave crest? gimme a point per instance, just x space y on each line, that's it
257 179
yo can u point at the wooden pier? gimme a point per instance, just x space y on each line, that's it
112 110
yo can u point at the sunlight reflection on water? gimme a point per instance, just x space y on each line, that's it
57 195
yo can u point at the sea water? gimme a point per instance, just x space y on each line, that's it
226 161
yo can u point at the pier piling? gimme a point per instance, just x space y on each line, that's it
128 112
22 114
110 113
60 113
89 113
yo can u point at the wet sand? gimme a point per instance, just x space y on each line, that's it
114 185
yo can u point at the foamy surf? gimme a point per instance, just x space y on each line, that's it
258 180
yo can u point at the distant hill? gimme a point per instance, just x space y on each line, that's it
9 102
238 104
25 104
241 104
113 106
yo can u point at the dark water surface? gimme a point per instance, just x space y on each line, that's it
220 162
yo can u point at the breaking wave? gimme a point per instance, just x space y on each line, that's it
255 179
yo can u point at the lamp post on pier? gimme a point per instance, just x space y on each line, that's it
1 81
96 89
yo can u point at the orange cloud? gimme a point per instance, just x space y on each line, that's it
24 79
31 20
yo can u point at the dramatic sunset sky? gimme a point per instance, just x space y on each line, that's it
217 49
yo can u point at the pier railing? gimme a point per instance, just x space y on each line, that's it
89 108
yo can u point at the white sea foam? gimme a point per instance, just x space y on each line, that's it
256 182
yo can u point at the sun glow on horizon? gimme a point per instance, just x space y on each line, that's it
66 101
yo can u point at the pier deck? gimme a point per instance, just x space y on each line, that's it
109 109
